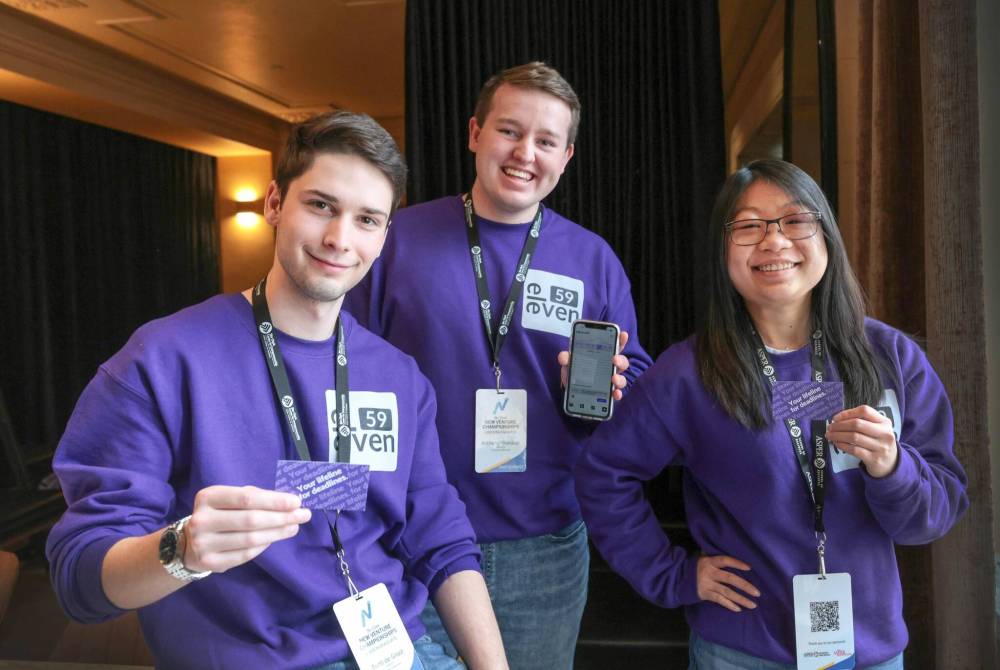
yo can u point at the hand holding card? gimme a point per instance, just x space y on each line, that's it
867 434
222 535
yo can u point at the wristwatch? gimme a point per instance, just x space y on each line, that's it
172 553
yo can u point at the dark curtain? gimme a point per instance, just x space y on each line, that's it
650 152
101 231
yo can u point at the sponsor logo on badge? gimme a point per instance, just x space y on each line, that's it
485 304
519 277
819 463
366 615
796 431
341 360
533 232
503 330
287 401
476 251
344 430
768 370
266 328
817 334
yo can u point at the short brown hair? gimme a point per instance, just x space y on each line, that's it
341 132
535 75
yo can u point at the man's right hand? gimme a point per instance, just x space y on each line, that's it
231 525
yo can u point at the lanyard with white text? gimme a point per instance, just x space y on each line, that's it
814 474
516 285
283 391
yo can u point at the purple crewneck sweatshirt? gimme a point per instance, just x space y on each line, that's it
188 403
744 497
421 296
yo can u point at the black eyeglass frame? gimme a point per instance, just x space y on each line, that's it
818 223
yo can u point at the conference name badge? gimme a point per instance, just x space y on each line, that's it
501 430
374 631
824 621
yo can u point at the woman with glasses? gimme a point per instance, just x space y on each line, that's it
812 438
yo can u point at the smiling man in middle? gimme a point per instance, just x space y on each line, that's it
481 289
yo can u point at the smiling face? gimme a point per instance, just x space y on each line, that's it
521 151
331 225
777 273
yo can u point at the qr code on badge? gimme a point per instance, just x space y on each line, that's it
824 616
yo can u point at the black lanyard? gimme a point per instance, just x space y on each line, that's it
282 390
814 473
516 284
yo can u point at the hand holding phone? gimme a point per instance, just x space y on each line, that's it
590 384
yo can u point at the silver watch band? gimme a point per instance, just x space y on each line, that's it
175 568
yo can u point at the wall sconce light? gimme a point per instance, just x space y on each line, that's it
247 219
247 208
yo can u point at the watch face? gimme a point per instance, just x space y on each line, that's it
168 546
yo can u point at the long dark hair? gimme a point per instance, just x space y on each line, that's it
725 349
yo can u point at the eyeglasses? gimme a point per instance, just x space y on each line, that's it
750 232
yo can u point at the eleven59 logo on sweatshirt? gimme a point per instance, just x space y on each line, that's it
374 428
551 302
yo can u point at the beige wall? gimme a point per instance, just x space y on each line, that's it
246 251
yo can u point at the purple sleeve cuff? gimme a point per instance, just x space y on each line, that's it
897 483
687 584
468 562
91 604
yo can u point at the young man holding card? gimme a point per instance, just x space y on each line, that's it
794 501
482 289
171 460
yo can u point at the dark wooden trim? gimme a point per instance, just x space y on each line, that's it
787 88
827 61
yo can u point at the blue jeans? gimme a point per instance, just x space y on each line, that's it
705 655
538 587
429 656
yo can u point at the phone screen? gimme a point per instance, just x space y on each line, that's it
593 347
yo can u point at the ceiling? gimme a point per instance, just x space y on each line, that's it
283 59
286 58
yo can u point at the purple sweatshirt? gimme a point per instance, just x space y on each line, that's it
421 296
188 403
744 496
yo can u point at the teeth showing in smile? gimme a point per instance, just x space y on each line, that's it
520 174
774 267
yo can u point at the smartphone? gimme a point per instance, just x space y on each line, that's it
592 347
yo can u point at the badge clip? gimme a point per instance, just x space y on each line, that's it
821 553
345 569
496 371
